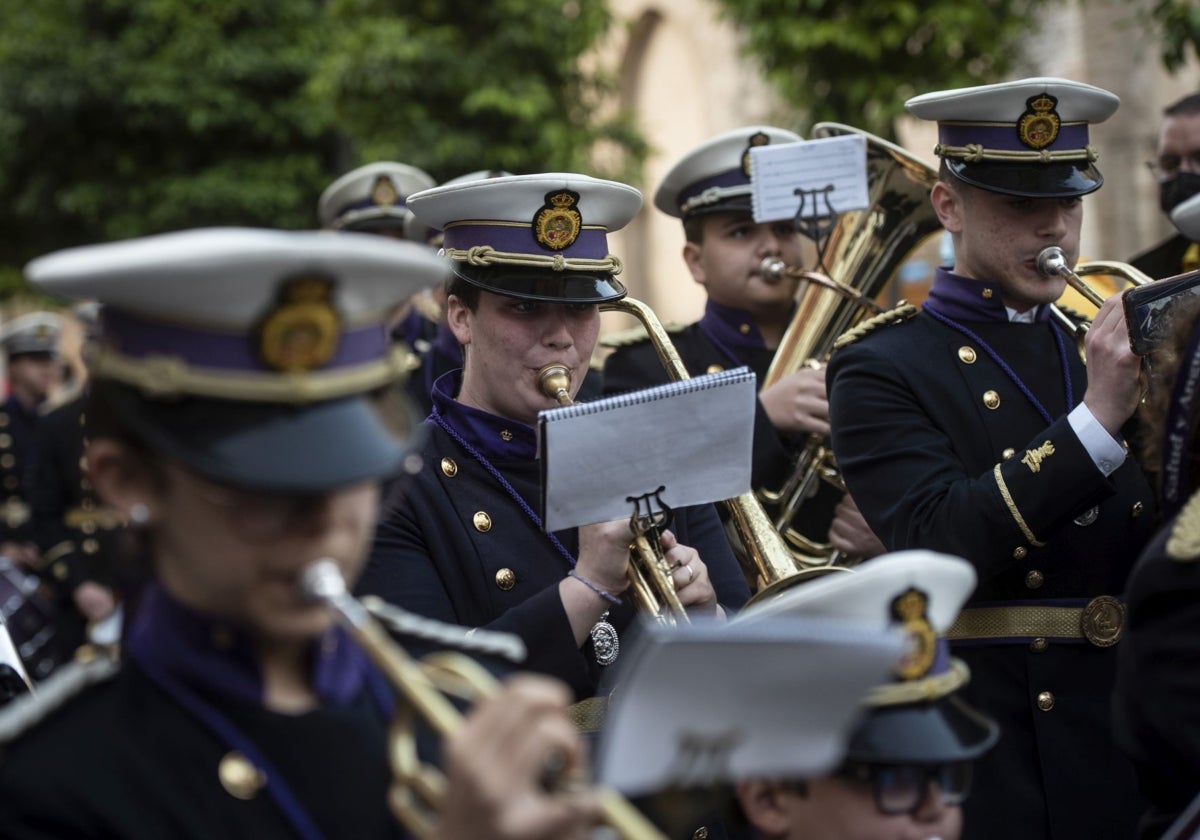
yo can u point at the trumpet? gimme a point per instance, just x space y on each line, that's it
1051 262
419 789
650 583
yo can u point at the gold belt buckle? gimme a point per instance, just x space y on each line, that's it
1103 621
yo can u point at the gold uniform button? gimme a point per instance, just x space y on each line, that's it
506 579
3 420
240 778
90 546
1008 453
967 355
60 570
1045 701
714 369
744 329
83 462
449 468
700 833
987 294
7 461
1034 579
5 441
1136 510
1038 645
482 522
1020 552
88 504
88 527
991 400
506 435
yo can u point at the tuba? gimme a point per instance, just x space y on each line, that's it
861 254
419 789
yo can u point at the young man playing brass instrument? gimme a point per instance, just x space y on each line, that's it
986 437
746 315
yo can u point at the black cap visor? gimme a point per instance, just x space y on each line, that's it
942 731
306 449
544 284
1029 180
732 204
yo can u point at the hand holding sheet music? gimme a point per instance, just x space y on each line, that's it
691 438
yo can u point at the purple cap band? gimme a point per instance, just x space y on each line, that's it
592 242
138 337
1004 137
729 178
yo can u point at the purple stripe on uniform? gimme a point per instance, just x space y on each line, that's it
729 178
591 244
1005 138
137 337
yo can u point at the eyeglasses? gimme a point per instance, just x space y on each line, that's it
902 788
1169 165
260 518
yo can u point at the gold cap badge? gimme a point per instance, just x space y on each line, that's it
301 332
757 139
556 225
384 192
909 610
1038 126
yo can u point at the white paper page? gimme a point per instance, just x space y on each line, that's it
694 438
778 170
706 703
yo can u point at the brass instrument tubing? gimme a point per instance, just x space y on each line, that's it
322 582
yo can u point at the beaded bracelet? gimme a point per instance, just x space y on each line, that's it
607 596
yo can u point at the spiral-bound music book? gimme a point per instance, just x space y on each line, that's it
691 438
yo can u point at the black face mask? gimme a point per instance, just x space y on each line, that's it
1177 190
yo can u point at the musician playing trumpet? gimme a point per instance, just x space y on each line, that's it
239 709
465 542
745 317
986 437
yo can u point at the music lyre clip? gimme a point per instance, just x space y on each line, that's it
815 224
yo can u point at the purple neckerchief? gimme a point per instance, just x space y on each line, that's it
169 638
486 432
963 298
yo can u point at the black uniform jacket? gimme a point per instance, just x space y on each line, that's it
136 754
942 449
724 338
454 545
1157 705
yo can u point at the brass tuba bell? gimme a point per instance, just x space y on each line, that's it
861 255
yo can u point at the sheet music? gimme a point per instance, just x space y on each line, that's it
775 698
778 170
693 438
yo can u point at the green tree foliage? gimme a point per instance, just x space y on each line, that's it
455 86
1178 24
858 62
126 117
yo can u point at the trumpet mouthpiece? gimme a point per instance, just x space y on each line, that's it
772 269
555 381
1051 262
322 581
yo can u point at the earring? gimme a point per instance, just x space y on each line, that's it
139 514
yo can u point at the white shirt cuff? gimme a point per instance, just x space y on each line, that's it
1106 452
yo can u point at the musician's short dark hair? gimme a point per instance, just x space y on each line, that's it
1186 107
465 291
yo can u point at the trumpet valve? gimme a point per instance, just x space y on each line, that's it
555 381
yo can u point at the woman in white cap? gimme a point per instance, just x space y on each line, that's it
235 421
465 543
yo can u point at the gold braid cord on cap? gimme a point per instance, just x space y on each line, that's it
924 689
975 153
485 255
170 376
